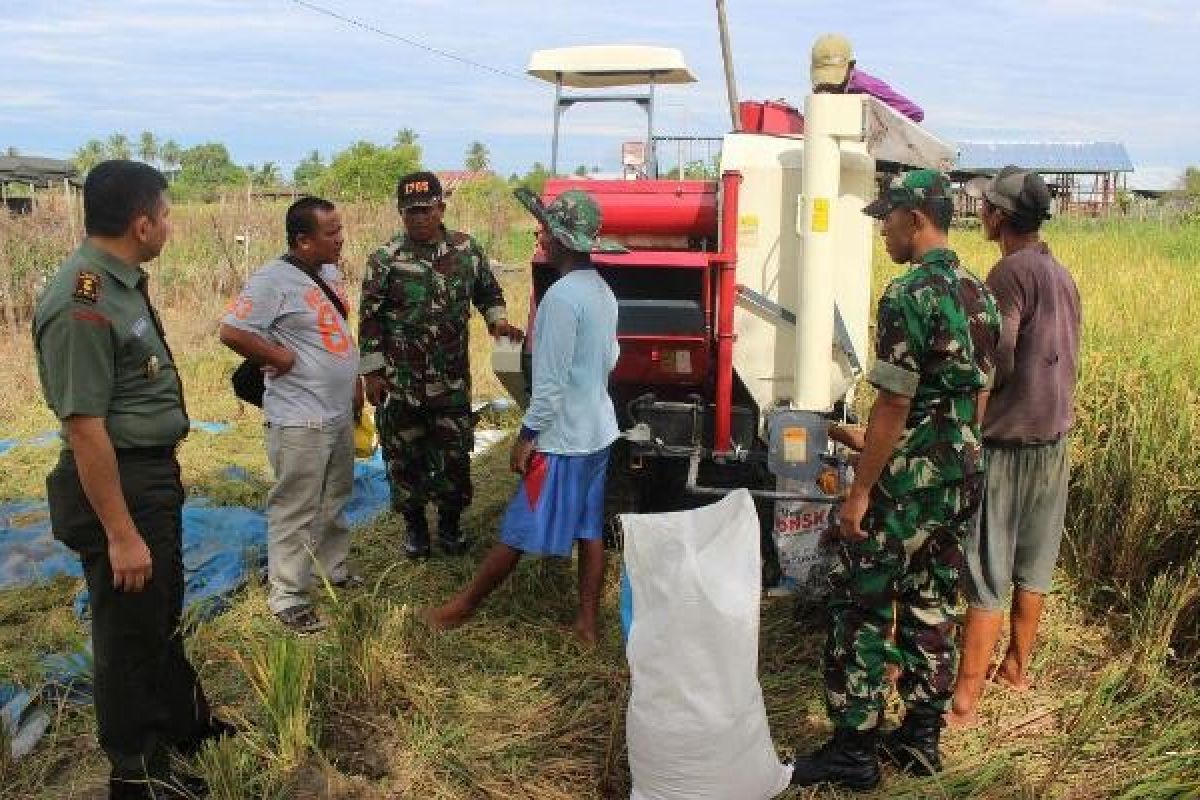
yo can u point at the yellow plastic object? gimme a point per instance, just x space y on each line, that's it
364 435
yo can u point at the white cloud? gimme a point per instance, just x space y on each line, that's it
1155 177
1159 12
275 80
30 100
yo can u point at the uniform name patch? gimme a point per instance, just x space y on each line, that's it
87 315
87 287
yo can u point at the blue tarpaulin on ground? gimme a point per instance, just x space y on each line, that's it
371 492
28 553
211 427
49 438
222 547
23 723
46 439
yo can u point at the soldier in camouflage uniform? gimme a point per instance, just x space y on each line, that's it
416 302
915 490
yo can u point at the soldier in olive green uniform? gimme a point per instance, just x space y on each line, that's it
916 488
416 301
115 495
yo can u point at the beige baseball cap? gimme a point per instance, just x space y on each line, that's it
831 57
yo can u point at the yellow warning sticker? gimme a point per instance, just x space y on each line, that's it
747 230
820 215
795 445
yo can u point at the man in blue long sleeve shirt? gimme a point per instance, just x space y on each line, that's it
562 449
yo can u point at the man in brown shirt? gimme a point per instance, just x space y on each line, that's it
1016 541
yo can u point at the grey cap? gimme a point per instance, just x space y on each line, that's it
1020 192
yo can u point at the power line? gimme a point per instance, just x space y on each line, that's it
398 38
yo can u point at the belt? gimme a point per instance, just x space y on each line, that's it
146 453
312 424
1011 443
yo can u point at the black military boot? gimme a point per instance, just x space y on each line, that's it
913 747
847 760
175 787
416 538
451 539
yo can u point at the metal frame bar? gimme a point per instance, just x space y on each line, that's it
726 263
645 101
692 486
841 334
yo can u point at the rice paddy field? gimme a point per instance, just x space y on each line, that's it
510 706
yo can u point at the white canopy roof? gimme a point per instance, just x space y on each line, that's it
597 66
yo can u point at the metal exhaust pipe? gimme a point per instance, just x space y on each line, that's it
727 58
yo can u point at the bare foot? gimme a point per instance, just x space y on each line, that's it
962 720
586 634
445 618
1010 677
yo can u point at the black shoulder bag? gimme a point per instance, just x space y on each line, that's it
247 379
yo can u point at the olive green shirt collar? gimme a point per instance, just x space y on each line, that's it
131 276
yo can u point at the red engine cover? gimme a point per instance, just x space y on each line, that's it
770 117
659 207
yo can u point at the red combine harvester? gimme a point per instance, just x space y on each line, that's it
744 302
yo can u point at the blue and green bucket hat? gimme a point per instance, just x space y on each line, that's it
573 219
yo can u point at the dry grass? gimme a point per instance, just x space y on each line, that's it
509 707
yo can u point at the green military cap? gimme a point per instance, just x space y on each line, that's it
573 219
909 190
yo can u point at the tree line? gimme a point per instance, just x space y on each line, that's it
364 169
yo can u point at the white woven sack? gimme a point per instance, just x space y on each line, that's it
696 726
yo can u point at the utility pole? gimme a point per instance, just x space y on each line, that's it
727 58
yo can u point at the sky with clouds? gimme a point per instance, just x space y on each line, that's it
275 80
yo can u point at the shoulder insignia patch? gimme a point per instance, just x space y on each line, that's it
87 287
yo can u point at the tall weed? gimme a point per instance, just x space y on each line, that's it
1134 510
280 671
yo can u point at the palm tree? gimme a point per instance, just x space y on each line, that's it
478 157
148 147
117 146
268 174
308 170
89 155
169 154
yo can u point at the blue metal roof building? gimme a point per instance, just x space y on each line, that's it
983 158
1084 176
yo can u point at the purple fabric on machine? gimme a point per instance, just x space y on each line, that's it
862 83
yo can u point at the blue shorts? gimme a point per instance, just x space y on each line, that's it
560 499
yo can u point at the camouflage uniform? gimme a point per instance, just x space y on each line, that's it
936 333
416 302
